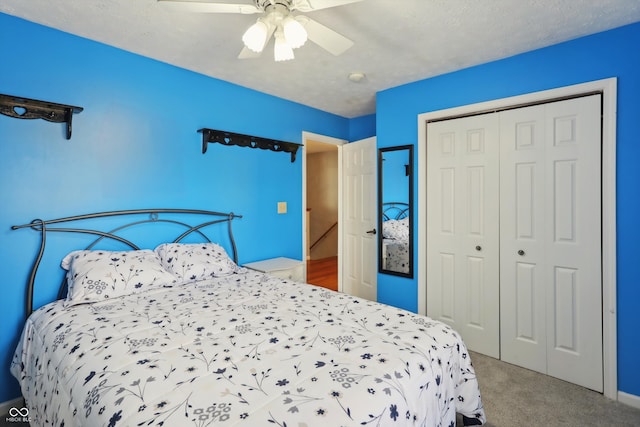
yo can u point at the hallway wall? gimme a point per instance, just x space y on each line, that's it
322 201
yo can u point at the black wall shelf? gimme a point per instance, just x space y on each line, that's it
230 138
25 108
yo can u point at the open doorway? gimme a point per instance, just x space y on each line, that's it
321 223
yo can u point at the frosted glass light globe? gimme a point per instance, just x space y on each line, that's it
282 51
256 36
294 32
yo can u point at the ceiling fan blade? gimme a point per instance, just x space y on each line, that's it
311 5
209 7
325 37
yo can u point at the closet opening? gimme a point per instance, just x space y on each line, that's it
606 89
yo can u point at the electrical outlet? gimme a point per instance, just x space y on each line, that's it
282 207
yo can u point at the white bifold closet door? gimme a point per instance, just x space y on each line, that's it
514 240
550 239
462 228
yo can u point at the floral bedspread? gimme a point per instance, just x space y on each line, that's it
242 350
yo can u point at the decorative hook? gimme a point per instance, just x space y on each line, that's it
25 108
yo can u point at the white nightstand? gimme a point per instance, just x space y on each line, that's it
284 268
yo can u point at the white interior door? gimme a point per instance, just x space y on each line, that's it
359 219
462 229
551 287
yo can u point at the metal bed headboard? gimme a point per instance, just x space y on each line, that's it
394 210
44 227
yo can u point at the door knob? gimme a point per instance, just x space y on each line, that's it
521 252
371 231
478 248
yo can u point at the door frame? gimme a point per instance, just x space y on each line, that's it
608 88
307 136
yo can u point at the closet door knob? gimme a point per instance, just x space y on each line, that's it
478 248
521 252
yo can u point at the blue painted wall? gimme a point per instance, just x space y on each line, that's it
362 127
395 182
135 145
609 54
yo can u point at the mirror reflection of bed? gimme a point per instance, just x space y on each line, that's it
395 237
395 205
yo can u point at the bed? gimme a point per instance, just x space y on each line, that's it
395 237
180 335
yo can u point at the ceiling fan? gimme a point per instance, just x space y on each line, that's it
289 31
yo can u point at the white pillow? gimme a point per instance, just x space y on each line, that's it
100 275
191 262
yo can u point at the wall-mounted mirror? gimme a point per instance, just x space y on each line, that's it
395 210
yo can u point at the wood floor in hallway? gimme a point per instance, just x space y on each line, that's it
323 272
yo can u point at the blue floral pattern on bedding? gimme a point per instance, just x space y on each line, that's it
192 262
242 350
102 275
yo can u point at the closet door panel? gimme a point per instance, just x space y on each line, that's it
565 309
522 291
525 327
473 290
447 300
442 257
574 274
462 229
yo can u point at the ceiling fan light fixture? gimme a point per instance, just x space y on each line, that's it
294 32
282 51
256 36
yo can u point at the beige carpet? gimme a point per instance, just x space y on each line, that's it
514 396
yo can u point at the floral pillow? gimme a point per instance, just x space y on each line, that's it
397 229
100 275
191 262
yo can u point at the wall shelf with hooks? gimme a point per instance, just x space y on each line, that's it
25 108
230 138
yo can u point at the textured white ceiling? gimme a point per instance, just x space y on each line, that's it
396 41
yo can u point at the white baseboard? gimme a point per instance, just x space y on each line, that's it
15 403
629 399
